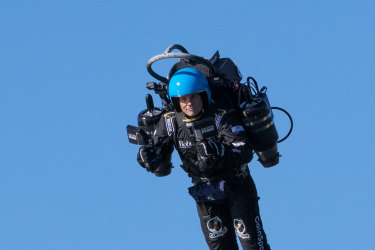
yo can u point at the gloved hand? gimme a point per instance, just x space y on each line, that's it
148 157
208 154
210 150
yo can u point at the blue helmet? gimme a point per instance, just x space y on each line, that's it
188 81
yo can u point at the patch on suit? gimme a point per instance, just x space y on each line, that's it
241 229
218 120
169 124
216 228
237 128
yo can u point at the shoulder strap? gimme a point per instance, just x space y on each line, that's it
169 123
218 116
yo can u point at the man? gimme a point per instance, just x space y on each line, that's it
215 156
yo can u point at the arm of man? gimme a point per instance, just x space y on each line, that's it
229 149
233 136
156 158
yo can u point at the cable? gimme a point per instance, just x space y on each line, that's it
291 123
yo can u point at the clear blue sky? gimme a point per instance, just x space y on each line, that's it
73 74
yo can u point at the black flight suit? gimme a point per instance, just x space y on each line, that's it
238 212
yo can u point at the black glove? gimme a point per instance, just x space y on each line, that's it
210 150
208 154
149 157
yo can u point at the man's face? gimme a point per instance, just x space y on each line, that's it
191 104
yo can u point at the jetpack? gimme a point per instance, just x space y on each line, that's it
228 92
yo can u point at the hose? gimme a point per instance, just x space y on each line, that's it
167 54
291 123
